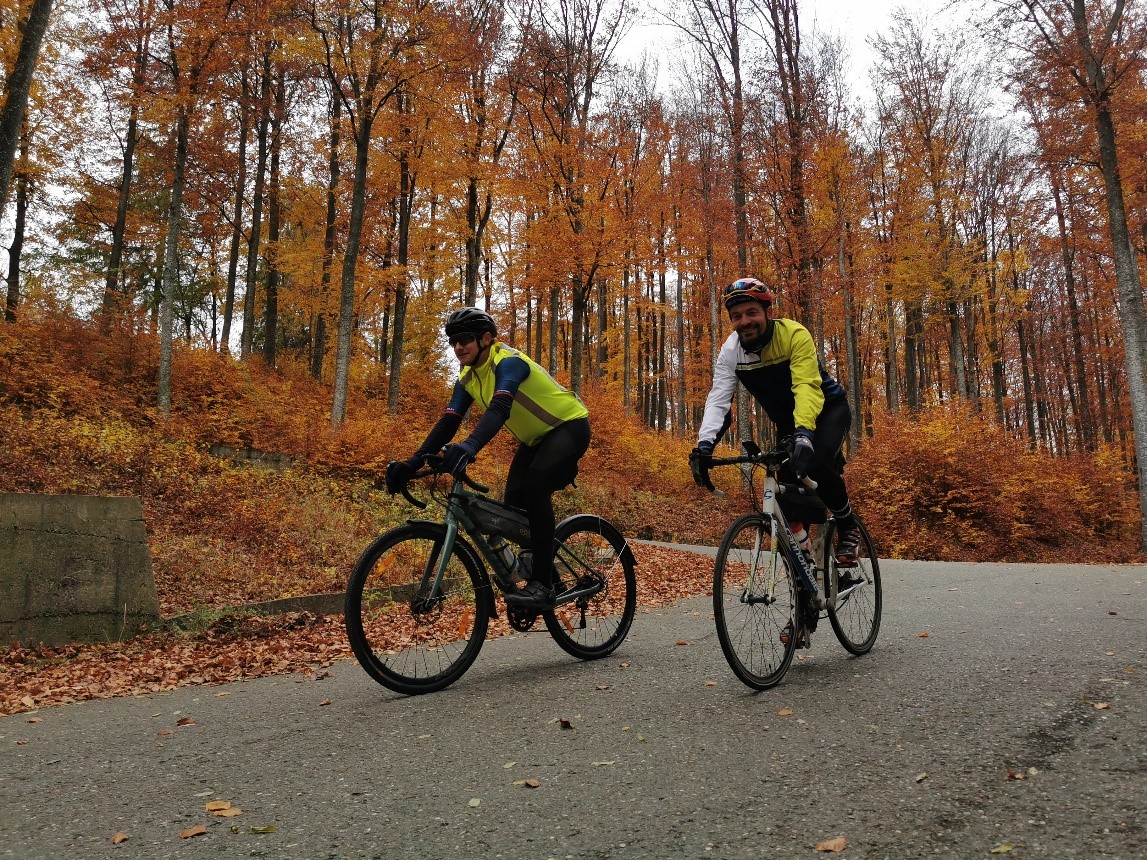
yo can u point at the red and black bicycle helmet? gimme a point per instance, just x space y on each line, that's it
748 289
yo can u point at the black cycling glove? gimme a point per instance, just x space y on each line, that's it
802 453
699 461
399 473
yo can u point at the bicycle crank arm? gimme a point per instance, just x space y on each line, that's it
574 593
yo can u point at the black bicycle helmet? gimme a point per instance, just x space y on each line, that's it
748 289
471 320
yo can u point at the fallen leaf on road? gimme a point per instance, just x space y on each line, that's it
324 702
270 828
836 844
641 738
221 695
602 687
604 763
924 635
710 683
216 805
474 802
1109 653
194 830
165 732
509 764
1017 774
565 724
1004 848
680 642
119 838
185 721
229 812
1101 706
22 742
531 783
920 777
785 712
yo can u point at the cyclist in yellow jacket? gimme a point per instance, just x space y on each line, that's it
550 423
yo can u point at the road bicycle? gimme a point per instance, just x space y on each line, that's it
767 596
421 596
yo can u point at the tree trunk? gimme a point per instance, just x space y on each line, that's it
16 88
236 223
274 277
247 341
171 263
16 249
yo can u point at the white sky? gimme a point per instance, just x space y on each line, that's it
856 20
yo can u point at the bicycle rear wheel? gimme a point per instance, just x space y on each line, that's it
856 616
754 602
591 552
406 639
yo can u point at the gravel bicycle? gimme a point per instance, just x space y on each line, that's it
421 596
766 594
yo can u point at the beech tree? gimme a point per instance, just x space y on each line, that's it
1099 45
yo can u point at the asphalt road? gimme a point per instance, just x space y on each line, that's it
912 750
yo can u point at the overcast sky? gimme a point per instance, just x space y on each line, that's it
855 20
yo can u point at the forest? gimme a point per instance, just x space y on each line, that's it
237 225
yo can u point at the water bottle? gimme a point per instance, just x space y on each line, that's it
501 547
801 536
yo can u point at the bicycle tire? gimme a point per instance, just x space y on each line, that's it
855 619
750 628
592 627
406 646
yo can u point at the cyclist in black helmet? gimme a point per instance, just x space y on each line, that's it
776 360
550 423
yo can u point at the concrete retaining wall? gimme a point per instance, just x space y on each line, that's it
73 569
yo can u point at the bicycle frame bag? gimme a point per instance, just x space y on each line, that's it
801 504
494 518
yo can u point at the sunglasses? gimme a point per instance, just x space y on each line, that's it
464 339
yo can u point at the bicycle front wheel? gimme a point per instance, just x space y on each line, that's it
591 555
754 602
405 637
856 617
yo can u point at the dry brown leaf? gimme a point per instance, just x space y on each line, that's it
602 687
324 702
185 721
565 724
194 830
1017 774
785 712
34 720
165 732
216 805
531 783
832 845
230 812
710 683
924 635
119 838
28 702
1102 706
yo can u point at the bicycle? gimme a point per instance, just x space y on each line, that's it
766 600
420 598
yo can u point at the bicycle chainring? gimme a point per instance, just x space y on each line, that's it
520 619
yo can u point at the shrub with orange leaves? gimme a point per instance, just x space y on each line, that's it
949 484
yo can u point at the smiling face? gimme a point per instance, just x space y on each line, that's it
749 319
469 349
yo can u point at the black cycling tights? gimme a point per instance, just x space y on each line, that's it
536 473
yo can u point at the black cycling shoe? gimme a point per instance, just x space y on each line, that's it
847 546
532 595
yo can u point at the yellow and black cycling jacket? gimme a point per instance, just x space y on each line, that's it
515 391
784 376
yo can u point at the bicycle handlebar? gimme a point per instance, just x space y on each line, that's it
433 466
776 457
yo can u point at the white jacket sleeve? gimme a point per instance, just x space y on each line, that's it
720 399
